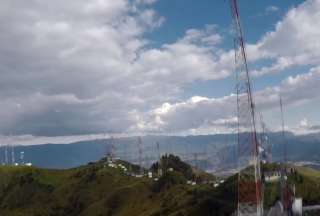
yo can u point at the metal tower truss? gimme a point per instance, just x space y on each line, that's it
286 194
111 150
13 161
11 146
249 176
283 134
264 142
6 156
140 149
159 160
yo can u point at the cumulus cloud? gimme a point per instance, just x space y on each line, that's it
306 127
192 114
294 41
218 115
70 68
85 67
272 9
65 66
145 1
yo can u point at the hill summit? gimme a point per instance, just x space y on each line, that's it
118 188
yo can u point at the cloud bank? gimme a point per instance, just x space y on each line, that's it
75 68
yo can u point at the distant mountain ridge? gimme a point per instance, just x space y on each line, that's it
218 149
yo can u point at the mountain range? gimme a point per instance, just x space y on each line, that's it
207 151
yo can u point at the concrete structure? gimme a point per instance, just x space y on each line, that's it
272 176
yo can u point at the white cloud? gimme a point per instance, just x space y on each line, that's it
271 9
195 113
208 36
66 66
304 123
86 67
197 56
305 127
218 115
145 1
294 41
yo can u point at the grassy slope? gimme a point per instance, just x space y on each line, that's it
92 190
97 190
307 184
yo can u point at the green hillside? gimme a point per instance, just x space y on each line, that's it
305 180
99 190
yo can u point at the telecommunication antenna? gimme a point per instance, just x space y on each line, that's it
195 157
283 133
12 155
110 149
140 154
159 160
285 189
6 158
250 200
113 149
11 145
265 140
106 147
22 157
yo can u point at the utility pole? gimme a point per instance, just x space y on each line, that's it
250 200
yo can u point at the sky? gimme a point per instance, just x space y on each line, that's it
74 70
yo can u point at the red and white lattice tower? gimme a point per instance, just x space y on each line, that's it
249 178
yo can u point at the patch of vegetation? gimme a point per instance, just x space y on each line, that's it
99 190
173 162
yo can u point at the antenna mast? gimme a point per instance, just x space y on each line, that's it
265 143
283 133
113 150
6 158
249 177
11 144
140 154
285 190
159 160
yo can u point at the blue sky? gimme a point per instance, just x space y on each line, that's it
185 14
153 66
258 17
